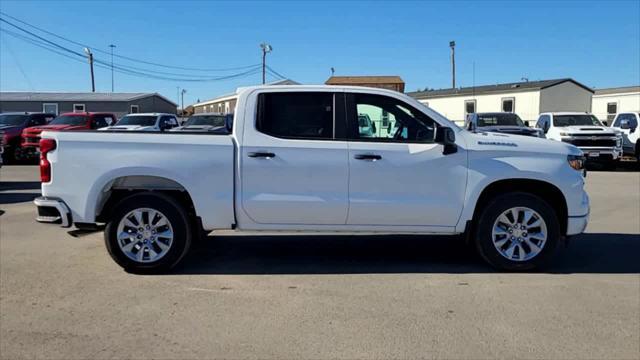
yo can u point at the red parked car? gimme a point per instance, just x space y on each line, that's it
12 125
65 122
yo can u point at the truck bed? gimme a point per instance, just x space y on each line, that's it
85 164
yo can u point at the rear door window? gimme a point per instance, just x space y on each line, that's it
296 115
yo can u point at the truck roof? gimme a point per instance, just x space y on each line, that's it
85 113
150 114
566 113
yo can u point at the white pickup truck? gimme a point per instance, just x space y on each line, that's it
295 160
599 143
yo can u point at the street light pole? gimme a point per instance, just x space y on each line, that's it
112 46
452 45
266 48
90 55
182 95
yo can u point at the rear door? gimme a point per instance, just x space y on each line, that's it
294 167
400 176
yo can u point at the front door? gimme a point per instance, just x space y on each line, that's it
399 176
294 171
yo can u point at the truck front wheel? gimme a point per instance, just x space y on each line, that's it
517 231
148 233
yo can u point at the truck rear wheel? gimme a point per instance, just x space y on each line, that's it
148 233
517 231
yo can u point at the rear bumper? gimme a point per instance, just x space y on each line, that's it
577 224
53 211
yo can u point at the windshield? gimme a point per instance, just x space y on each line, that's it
577 119
13 119
211 120
138 120
506 119
69 120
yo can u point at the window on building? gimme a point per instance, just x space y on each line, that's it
50 108
306 115
134 109
612 110
469 107
508 105
78 108
404 123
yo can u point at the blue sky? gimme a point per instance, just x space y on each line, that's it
595 42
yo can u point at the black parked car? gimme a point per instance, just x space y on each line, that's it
208 122
508 123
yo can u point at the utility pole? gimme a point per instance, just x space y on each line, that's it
182 96
90 55
266 48
452 45
112 46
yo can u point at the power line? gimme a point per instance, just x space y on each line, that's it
56 48
273 72
17 61
122 56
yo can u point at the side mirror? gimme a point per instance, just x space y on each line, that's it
373 127
605 122
526 123
624 124
447 137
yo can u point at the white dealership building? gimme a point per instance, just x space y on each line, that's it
527 99
608 102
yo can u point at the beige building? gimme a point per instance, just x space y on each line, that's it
606 103
527 99
226 104
385 82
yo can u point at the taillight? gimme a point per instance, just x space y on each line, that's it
46 145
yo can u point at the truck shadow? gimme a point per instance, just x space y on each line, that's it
587 253
19 185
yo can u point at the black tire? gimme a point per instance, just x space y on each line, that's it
174 212
491 212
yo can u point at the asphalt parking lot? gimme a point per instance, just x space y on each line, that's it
320 296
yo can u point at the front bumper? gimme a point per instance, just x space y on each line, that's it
602 153
53 211
577 224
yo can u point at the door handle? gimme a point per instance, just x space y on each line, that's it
370 157
266 155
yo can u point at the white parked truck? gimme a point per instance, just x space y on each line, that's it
144 122
599 143
296 160
627 124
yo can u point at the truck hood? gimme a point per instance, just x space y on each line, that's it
11 129
202 128
129 128
516 130
39 129
488 141
576 129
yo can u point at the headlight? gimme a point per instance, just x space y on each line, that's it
564 134
576 161
618 140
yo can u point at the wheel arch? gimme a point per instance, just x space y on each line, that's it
123 186
543 189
